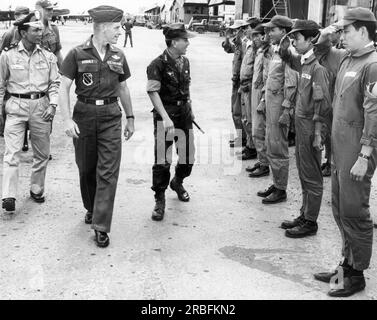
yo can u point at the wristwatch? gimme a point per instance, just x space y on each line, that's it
364 156
130 117
54 105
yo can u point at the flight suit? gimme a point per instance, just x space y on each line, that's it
313 105
238 48
171 79
32 83
280 93
246 77
260 74
354 125
98 115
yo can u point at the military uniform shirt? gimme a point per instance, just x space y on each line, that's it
10 37
51 38
24 74
96 78
171 78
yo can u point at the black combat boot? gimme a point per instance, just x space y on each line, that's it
176 185
292 224
251 169
327 276
304 229
249 154
275 197
262 171
266 193
353 282
326 169
159 208
9 204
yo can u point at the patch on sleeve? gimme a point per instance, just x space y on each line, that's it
350 74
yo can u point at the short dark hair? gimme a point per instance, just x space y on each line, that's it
371 27
287 29
23 27
309 33
168 43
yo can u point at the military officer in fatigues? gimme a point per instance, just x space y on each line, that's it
237 46
279 99
354 142
100 71
262 60
312 120
246 78
50 36
29 73
169 90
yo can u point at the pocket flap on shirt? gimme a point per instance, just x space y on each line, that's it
116 67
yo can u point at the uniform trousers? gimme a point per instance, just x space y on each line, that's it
20 112
247 117
277 140
163 144
98 153
308 162
259 128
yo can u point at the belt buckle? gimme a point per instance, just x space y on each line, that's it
33 96
100 102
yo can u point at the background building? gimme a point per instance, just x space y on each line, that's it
222 9
184 10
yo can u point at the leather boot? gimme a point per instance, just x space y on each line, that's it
251 169
275 197
266 193
176 185
304 229
326 170
249 154
159 209
351 285
327 276
262 171
292 224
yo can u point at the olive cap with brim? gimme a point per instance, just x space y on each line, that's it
253 21
238 24
21 10
304 25
176 31
279 21
356 14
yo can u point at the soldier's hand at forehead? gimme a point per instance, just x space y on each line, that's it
329 30
71 129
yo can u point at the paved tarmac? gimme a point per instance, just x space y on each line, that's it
224 244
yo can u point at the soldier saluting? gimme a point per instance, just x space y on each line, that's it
169 90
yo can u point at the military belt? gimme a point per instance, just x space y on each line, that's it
31 96
98 102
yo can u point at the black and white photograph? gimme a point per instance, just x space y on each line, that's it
205 151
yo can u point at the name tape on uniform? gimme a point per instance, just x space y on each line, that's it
350 74
306 76
88 61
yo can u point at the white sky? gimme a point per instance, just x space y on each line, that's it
77 6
